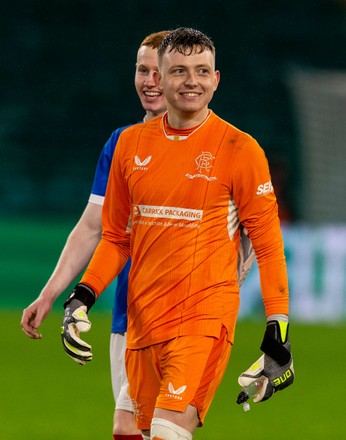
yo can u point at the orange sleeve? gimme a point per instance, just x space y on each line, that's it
114 248
258 211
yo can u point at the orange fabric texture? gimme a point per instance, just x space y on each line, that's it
181 372
185 200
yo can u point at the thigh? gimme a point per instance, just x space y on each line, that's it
144 383
192 369
183 371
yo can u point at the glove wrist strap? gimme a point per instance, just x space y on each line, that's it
83 293
272 347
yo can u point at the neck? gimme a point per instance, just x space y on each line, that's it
151 115
186 120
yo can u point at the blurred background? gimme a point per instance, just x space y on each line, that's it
67 75
66 82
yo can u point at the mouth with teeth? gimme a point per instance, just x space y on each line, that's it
190 94
152 94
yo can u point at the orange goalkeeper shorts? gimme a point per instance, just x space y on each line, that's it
173 374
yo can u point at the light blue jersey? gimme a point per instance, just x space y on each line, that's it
98 191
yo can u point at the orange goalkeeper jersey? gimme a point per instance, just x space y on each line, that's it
175 207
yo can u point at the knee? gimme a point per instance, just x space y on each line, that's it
162 429
124 423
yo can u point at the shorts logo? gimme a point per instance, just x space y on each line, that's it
175 394
204 164
141 165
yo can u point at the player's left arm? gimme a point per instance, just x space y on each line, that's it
255 197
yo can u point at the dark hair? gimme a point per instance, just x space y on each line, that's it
154 40
186 41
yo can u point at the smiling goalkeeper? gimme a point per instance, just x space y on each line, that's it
183 286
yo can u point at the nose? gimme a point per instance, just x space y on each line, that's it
191 80
152 79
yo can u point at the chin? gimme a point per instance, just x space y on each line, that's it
153 108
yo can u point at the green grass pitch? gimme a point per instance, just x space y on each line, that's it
44 395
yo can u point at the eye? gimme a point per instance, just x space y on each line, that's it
143 70
203 71
178 71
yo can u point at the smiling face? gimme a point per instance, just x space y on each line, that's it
146 82
188 82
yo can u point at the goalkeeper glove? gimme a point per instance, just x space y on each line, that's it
273 371
76 321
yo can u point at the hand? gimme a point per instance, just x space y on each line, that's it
33 316
76 321
274 369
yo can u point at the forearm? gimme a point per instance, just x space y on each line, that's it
274 286
106 264
76 253
273 273
75 256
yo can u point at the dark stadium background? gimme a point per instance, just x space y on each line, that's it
66 82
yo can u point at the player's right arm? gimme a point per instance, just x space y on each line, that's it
74 257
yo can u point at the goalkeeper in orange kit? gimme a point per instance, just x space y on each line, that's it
180 187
